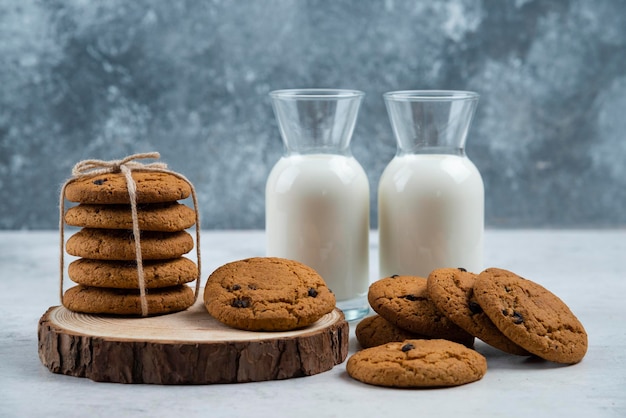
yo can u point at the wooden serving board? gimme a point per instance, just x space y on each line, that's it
188 347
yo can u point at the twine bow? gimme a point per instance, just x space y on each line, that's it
95 167
89 168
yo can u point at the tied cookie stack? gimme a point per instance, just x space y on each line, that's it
132 240
423 333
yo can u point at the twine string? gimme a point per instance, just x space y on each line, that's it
89 168
95 167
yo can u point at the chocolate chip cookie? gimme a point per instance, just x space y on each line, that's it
111 188
98 300
417 364
452 292
123 274
119 244
267 294
166 217
531 316
403 301
376 330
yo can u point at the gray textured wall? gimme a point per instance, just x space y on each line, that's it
103 79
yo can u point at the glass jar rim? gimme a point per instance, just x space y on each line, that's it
430 95
315 94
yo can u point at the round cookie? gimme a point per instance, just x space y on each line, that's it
167 217
123 274
451 290
417 364
376 330
267 294
403 301
531 316
98 300
118 244
110 188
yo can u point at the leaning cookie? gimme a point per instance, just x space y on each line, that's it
97 300
417 364
403 301
167 217
376 330
531 316
111 188
267 294
123 274
452 292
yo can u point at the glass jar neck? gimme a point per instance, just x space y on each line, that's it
316 121
431 121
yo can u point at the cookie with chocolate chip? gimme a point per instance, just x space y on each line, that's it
111 188
417 364
166 217
531 316
98 300
376 330
267 294
452 292
403 301
119 244
123 274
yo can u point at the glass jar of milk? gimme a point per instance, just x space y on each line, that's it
430 196
317 194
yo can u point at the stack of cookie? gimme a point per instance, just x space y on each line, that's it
106 270
421 322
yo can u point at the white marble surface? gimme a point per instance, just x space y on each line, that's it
585 268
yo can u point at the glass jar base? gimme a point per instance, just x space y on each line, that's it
354 309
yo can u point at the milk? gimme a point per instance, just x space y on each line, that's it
431 214
317 213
